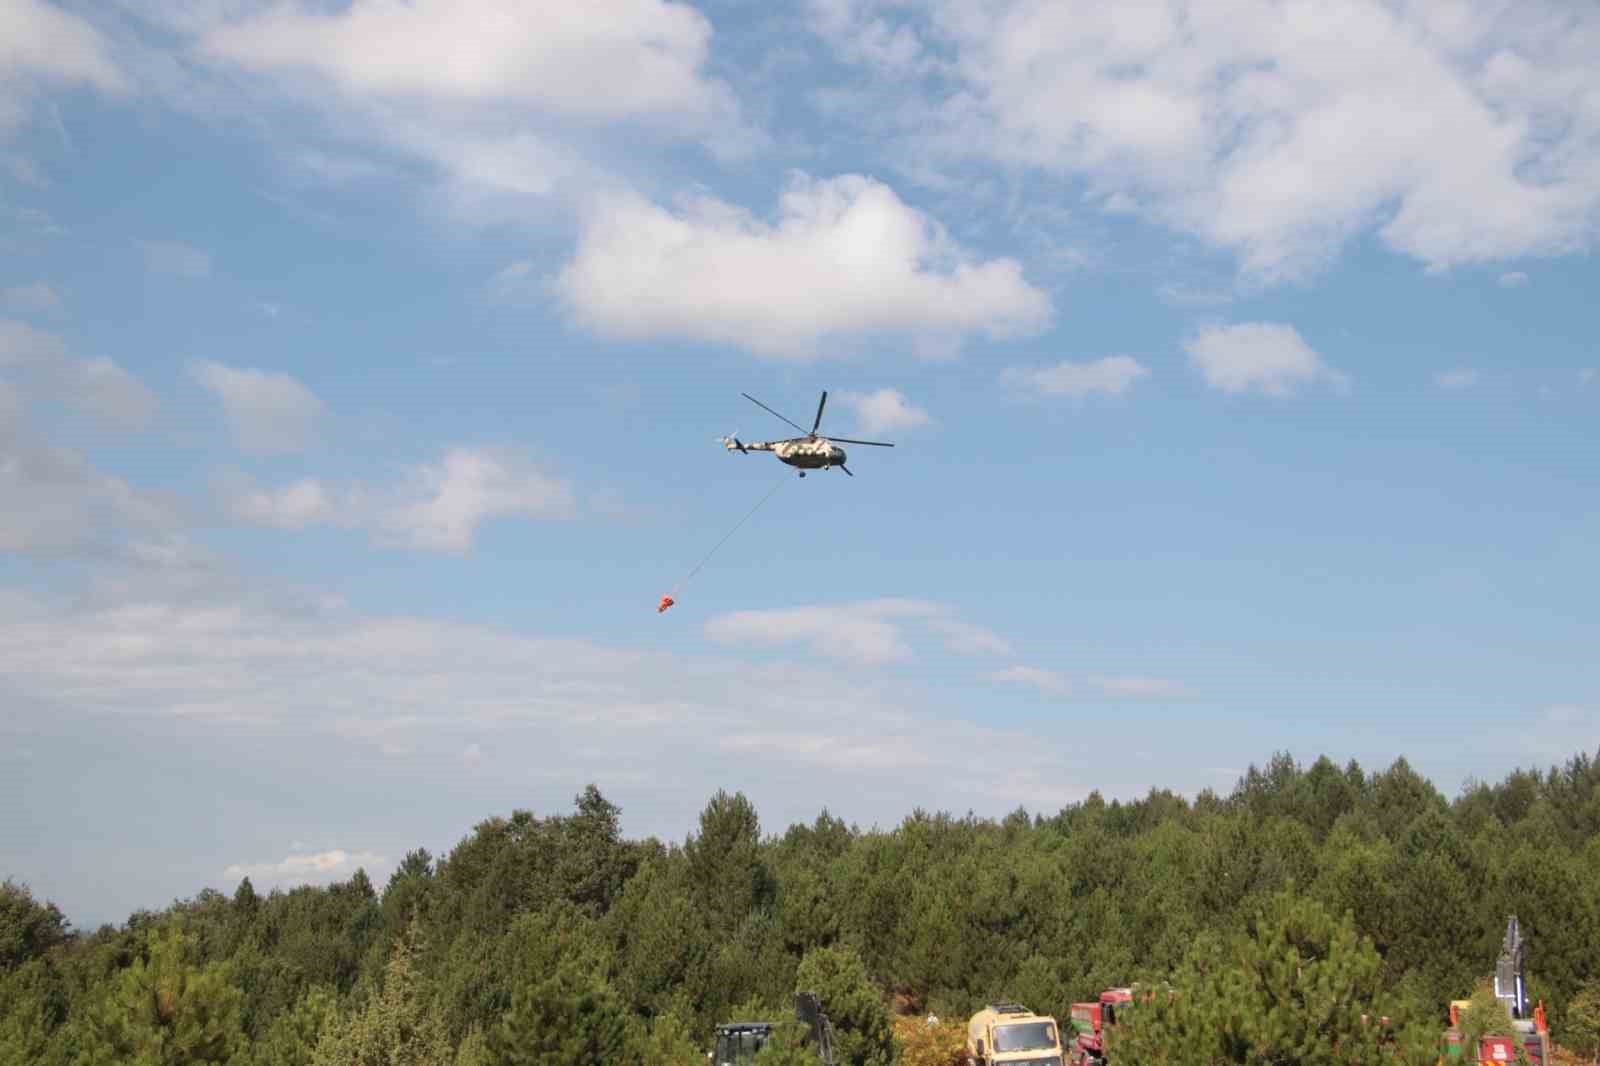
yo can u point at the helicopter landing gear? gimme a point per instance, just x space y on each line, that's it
802 473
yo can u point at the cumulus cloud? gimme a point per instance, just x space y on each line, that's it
867 633
268 411
42 44
502 103
1260 130
1456 379
448 500
438 506
601 61
1110 376
98 387
883 411
1265 357
175 257
21 345
968 639
316 868
1514 280
109 392
846 258
57 504
33 299
1046 681
297 505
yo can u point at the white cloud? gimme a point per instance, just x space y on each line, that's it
448 500
109 392
96 386
174 257
427 690
1257 125
1514 280
1456 379
1110 376
36 298
868 633
1266 357
504 104
438 506
846 258
604 60
58 505
39 42
10 410
21 345
294 506
858 633
1587 375
1137 686
268 411
1046 681
883 411
968 639
318 868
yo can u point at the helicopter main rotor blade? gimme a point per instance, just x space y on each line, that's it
874 443
820 405
770 411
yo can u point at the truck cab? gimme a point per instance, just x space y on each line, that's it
1090 1021
1009 1034
738 1042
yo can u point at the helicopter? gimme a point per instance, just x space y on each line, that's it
810 452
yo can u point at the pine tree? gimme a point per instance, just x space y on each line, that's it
397 1027
725 861
1297 987
164 1010
27 928
862 1033
571 1018
1582 1029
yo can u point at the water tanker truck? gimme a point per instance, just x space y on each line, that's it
1009 1034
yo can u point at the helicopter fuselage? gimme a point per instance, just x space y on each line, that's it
805 454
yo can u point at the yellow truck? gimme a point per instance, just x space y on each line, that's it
1009 1034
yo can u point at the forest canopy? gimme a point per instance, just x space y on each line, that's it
555 939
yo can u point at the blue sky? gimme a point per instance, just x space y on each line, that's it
362 364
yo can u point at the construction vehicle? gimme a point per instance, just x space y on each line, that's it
1009 1034
738 1042
1510 988
1089 1022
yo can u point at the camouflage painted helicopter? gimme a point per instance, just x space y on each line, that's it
810 452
